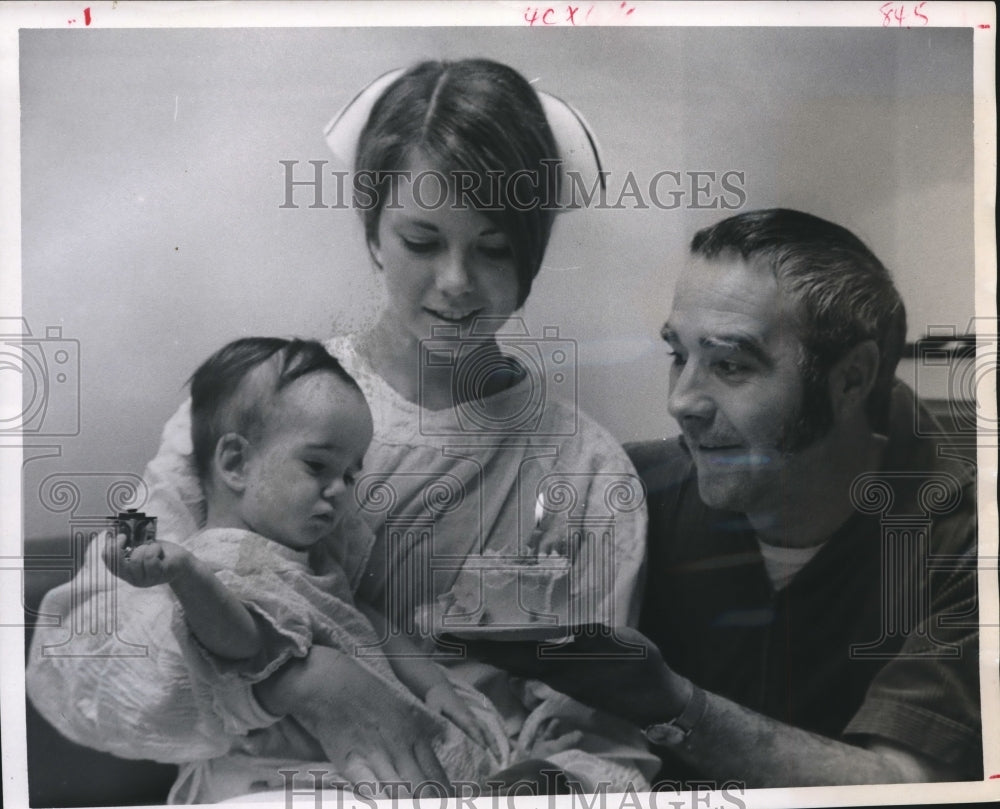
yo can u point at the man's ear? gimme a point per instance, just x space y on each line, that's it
231 456
853 376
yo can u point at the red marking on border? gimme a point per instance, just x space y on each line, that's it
995 775
986 25
86 16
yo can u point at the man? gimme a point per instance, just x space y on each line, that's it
811 602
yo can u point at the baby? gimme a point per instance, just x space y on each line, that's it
279 430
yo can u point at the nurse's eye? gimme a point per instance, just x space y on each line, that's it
496 251
419 245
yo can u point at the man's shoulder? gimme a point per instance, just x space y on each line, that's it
927 472
918 441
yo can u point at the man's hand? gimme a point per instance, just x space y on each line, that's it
617 670
367 731
145 565
603 669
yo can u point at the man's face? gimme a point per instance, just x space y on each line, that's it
736 388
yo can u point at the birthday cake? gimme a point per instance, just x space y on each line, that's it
511 594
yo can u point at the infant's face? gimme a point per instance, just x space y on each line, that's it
300 471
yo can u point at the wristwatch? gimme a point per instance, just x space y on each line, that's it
676 730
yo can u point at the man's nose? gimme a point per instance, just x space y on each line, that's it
453 276
689 399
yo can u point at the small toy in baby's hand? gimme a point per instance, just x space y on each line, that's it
138 528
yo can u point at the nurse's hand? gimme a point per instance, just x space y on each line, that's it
367 731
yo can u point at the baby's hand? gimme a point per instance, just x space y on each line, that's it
145 565
443 699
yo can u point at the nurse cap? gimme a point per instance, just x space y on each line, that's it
575 141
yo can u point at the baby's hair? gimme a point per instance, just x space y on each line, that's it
221 403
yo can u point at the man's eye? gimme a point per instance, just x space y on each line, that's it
315 467
731 369
419 246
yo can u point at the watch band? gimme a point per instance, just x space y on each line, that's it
679 728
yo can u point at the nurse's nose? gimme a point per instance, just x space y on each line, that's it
453 275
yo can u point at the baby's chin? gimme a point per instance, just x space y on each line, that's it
304 540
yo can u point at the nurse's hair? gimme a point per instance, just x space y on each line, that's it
845 294
476 118
233 390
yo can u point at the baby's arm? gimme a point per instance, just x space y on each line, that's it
412 666
215 616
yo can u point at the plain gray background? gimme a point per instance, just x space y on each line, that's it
151 187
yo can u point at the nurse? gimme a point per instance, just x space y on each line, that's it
479 451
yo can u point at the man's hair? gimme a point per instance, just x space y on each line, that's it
221 403
473 116
845 294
